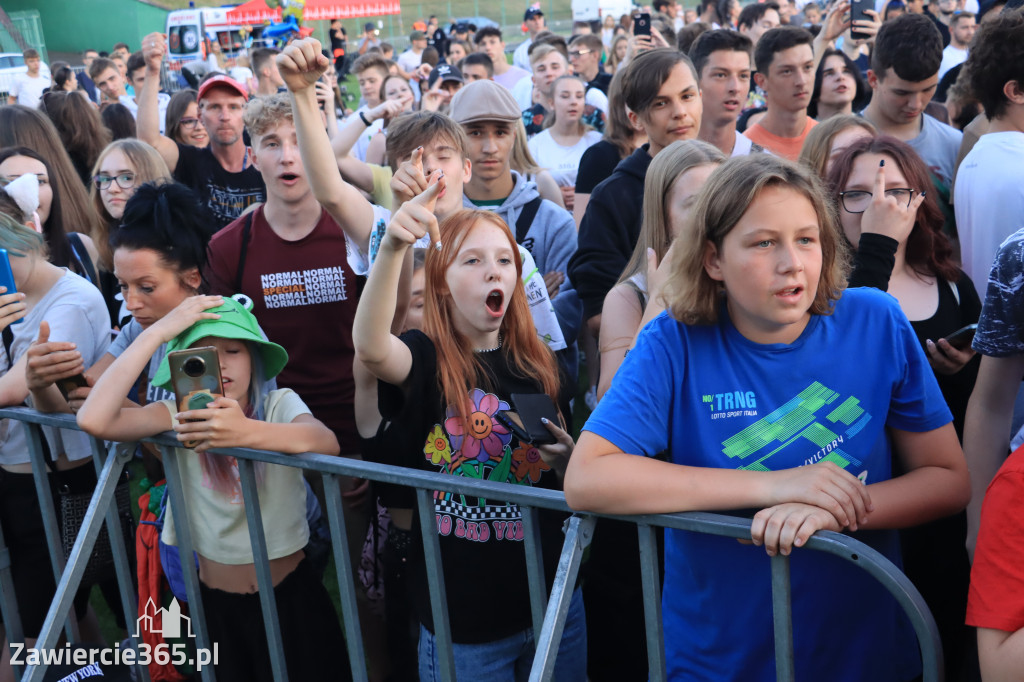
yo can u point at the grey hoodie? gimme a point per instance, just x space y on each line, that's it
551 240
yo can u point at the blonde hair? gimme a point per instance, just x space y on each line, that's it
521 160
263 113
549 121
817 146
656 230
149 167
691 295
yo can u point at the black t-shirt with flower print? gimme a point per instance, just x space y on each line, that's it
482 546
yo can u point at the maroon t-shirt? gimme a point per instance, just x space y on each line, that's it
304 296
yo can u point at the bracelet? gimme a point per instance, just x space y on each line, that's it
362 117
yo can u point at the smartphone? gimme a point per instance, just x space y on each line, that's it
7 277
525 422
65 386
642 24
858 12
961 339
195 375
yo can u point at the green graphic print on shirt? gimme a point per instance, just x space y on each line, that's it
817 414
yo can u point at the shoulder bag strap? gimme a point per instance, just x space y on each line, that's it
525 219
246 238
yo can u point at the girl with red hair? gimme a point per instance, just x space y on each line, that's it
440 394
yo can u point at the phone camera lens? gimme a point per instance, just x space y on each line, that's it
194 367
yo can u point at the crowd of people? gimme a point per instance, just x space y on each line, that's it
772 253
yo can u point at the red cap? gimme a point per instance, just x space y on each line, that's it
222 81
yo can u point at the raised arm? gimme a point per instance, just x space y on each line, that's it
153 49
376 346
301 65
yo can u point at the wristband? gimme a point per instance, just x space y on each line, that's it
362 117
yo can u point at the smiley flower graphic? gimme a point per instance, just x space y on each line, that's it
437 447
485 438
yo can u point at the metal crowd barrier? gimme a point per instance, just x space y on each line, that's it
549 614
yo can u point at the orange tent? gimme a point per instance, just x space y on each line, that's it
256 11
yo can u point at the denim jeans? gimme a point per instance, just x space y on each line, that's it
509 659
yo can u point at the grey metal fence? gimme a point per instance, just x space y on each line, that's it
549 612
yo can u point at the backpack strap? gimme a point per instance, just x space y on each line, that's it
246 238
525 219
83 258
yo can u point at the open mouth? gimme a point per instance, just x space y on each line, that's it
289 177
494 302
791 292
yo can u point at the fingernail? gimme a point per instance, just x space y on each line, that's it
437 245
881 164
924 194
544 420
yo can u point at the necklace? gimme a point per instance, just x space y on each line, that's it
488 350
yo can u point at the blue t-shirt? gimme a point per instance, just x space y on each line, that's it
713 398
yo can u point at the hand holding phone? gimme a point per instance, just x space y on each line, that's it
641 24
525 421
961 339
195 375
13 306
858 12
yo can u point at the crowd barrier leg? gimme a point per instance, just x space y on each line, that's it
650 573
435 582
534 566
49 514
8 602
122 566
70 579
782 616
264 581
346 578
578 533
188 565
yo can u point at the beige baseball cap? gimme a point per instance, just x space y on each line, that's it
484 101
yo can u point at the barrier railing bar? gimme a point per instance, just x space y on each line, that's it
534 566
46 508
899 585
435 582
650 573
122 566
578 533
69 581
346 578
8 602
264 581
837 544
782 616
179 512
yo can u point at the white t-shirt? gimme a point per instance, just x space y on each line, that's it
162 100
511 77
29 90
989 200
521 57
562 162
951 56
363 143
219 529
76 313
523 93
409 61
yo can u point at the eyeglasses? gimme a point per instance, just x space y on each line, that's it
188 122
580 53
123 180
857 201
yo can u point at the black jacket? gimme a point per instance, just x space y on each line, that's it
609 231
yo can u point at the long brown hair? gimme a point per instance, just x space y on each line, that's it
928 249
24 127
458 366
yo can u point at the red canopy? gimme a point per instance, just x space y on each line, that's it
256 11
